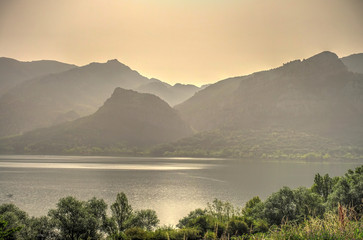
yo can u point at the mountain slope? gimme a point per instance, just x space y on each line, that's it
13 72
171 94
318 95
65 96
43 101
354 62
126 119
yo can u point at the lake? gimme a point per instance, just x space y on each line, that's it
171 186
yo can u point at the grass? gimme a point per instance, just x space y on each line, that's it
343 225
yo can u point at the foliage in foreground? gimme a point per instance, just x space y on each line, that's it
330 209
332 226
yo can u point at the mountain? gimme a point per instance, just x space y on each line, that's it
127 119
354 62
13 72
44 101
56 98
318 95
171 94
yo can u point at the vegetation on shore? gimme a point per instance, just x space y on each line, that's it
331 209
265 144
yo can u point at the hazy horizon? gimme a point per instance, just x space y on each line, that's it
196 42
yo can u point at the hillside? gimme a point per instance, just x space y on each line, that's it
317 95
171 94
354 62
65 96
43 101
271 144
13 72
127 119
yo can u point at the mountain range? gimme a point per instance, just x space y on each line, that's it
54 98
13 72
317 95
126 119
354 62
311 107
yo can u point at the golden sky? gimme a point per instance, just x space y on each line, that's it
187 41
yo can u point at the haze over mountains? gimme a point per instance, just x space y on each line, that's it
55 98
318 94
13 72
354 62
316 105
127 119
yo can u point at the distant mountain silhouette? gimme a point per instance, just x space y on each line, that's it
354 62
127 119
172 94
55 98
318 95
13 72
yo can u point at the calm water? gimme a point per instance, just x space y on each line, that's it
170 186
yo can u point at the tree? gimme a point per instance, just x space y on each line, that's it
15 218
253 209
96 211
136 233
78 219
7 233
145 219
307 203
348 191
42 226
121 211
279 206
192 215
324 185
223 211
292 205
237 227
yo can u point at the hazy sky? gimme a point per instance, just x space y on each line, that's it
187 41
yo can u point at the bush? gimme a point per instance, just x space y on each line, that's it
292 205
348 191
237 228
136 233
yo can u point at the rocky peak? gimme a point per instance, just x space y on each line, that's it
325 61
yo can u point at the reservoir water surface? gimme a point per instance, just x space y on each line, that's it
171 186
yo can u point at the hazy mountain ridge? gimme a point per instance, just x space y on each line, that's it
126 119
318 94
14 72
354 62
172 94
47 100
306 109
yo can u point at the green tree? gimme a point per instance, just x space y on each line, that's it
185 221
237 227
223 211
97 217
42 226
307 203
121 212
136 233
279 206
145 219
7 233
203 224
78 219
323 185
348 191
16 219
292 205
253 209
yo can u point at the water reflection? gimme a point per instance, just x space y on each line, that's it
170 186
